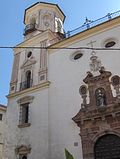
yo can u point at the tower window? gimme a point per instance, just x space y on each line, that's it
24 113
59 25
29 54
27 83
32 21
30 27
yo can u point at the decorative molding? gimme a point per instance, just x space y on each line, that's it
43 55
97 120
15 68
23 125
26 99
35 40
87 33
28 62
29 90
23 150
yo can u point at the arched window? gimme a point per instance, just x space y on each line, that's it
33 21
28 79
100 97
47 21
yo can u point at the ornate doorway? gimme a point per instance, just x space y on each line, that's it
107 147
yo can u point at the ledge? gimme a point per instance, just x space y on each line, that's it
31 89
24 125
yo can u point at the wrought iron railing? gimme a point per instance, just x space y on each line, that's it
29 28
26 84
87 25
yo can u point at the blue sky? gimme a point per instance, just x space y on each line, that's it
11 27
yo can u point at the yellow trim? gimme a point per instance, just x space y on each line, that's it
29 90
87 33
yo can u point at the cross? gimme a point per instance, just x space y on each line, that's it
91 43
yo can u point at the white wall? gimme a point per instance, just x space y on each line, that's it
52 129
36 135
66 76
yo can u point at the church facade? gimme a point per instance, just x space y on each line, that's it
61 94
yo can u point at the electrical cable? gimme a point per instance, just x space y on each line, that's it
59 48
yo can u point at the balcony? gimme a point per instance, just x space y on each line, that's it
26 84
30 28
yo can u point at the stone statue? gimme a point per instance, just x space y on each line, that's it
100 97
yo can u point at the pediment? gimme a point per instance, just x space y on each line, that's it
26 99
28 62
23 149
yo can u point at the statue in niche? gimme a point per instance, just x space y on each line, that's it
100 97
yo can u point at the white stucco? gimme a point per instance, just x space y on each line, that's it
51 111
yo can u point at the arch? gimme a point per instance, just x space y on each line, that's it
47 20
100 96
28 79
24 157
23 150
107 147
106 132
33 20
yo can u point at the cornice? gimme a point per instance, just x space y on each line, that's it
35 40
87 33
30 90
44 5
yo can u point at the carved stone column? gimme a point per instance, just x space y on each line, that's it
42 74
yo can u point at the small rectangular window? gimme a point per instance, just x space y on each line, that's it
1 115
24 113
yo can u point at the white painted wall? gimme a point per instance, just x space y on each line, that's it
52 129
66 76
36 135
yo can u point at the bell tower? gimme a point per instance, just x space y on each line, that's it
29 86
41 17
43 27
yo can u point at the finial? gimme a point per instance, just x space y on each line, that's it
95 64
